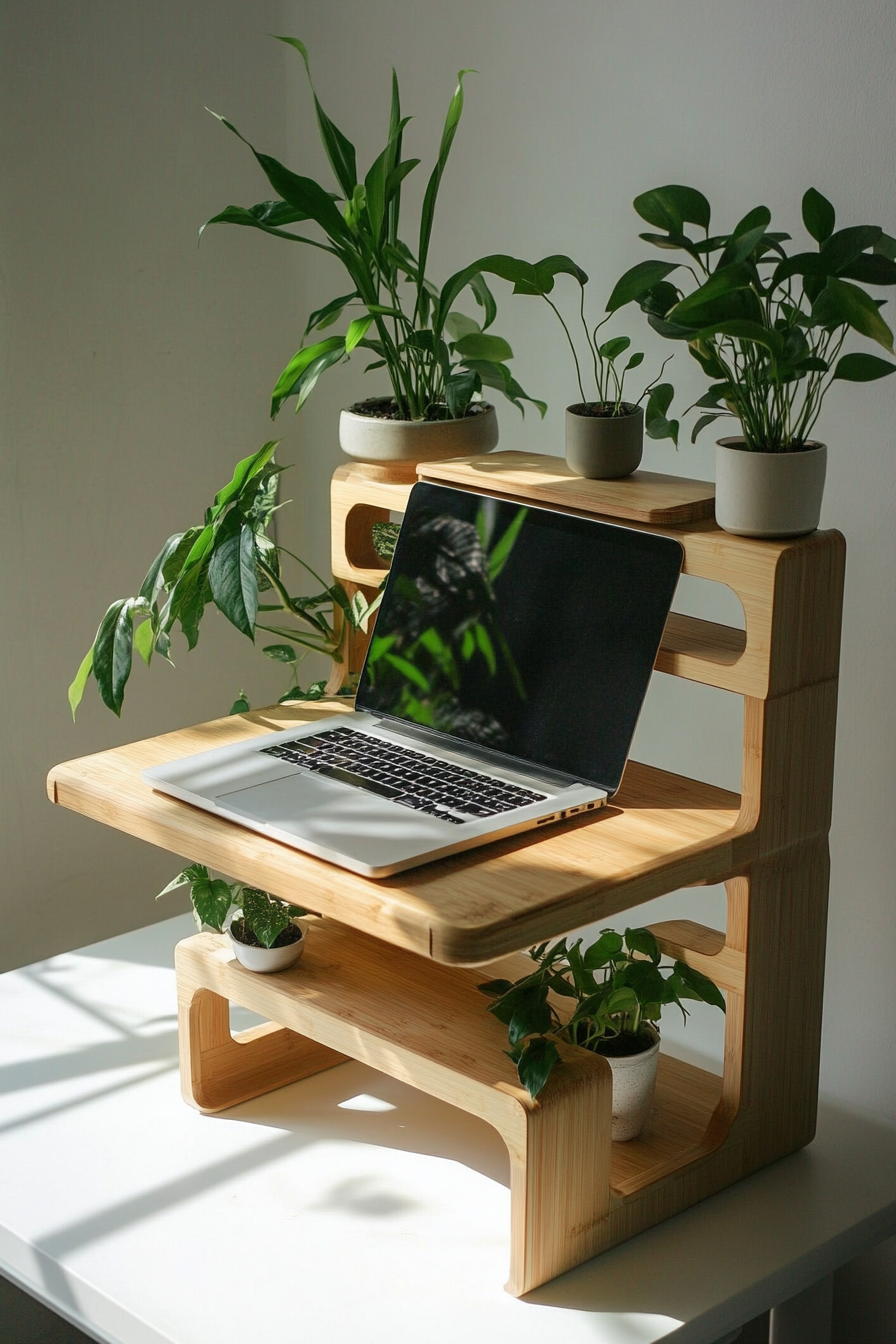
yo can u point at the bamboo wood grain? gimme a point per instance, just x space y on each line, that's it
573 1192
424 1025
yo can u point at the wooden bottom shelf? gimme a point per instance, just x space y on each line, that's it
686 1098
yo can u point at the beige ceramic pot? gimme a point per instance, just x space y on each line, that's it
368 439
634 1081
768 494
603 447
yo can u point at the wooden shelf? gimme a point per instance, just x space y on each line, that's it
413 1011
354 997
660 831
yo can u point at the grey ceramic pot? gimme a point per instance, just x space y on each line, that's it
768 494
604 447
367 439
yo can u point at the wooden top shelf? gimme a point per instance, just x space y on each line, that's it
661 831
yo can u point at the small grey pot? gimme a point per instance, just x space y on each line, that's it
603 448
768 494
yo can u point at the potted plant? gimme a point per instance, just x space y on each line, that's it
607 998
229 561
437 359
768 330
262 929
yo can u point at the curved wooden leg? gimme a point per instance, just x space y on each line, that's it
560 1173
218 1070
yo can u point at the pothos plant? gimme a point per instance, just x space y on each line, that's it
616 988
437 359
766 328
264 919
229 561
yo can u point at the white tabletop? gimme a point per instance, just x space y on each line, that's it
346 1207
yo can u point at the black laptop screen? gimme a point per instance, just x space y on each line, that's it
522 630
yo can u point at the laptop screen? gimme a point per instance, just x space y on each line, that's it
521 630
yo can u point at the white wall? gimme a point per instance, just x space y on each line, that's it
136 369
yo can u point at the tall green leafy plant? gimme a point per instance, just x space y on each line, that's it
230 562
766 328
613 990
437 359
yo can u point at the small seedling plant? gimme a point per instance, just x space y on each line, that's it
264 919
232 562
617 989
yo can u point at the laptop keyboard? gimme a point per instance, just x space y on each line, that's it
411 778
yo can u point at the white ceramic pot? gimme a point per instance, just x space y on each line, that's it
634 1080
601 447
768 494
266 959
368 439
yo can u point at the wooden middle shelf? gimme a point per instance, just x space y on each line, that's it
661 831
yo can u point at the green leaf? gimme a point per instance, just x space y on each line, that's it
870 269
505 267
499 377
745 330
615 347
233 580
240 705
885 247
699 986
76 690
357 330
558 264
304 369
458 325
480 345
534 1064
643 941
742 245
172 568
702 424
758 218
638 281
455 108
860 368
280 653
188 601
339 150
265 915
144 639
500 553
331 312
720 284
655 421
302 193
112 652
671 207
212 899
818 215
846 245
244 472
608 945
532 1014
644 978
485 299
154 581
843 303
459 390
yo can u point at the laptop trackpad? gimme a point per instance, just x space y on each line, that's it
336 817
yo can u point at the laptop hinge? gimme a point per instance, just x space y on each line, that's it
432 737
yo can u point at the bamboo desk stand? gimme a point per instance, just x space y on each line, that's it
402 1001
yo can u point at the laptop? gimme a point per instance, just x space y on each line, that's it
501 690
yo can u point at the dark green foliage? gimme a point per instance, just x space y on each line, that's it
765 327
632 990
